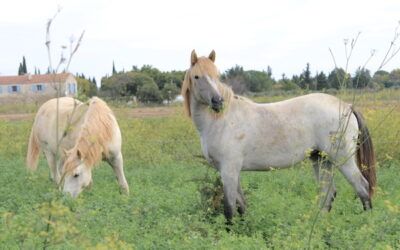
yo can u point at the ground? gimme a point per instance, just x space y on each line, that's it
175 196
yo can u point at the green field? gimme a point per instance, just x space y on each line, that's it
175 197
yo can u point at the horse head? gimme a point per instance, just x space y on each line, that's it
202 83
76 174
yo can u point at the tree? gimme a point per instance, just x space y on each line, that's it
338 79
381 78
149 92
394 78
20 71
251 80
124 84
86 87
269 71
305 78
113 69
235 77
233 72
258 81
321 81
170 91
24 69
159 78
287 84
362 78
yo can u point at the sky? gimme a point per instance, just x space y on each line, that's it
255 34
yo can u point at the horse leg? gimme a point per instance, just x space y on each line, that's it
240 199
230 179
116 163
324 174
357 180
51 161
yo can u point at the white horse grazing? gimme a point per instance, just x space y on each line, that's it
238 134
87 133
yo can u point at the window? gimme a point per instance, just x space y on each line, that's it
38 88
71 88
14 89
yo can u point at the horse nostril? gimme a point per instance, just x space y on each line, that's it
216 100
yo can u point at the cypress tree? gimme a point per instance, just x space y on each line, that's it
24 70
113 69
20 70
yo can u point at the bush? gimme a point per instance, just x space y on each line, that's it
149 92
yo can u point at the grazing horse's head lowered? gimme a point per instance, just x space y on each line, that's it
202 83
76 175
91 134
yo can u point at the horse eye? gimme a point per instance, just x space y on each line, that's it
196 77
76 175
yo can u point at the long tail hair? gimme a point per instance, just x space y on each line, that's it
33 151
365 153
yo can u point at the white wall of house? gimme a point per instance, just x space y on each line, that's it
32 92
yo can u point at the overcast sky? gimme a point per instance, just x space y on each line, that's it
284 34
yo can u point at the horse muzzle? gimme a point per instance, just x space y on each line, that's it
217 103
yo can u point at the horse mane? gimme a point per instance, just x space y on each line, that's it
96 132
205 66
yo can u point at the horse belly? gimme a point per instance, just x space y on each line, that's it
285 154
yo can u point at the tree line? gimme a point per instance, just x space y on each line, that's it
150 85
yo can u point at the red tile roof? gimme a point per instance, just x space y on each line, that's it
29 79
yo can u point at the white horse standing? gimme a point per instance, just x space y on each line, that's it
237 134
87 133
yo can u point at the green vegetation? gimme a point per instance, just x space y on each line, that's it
148 84
22 70
175 197
86 87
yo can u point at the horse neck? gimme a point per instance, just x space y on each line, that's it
92 140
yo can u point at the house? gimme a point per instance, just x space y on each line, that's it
36 88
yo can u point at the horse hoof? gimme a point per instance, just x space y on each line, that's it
124 191
367 205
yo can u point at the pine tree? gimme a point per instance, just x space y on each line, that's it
321 81
113 69
306 79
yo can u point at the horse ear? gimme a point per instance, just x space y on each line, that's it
212 56
185 92
193 58
79 154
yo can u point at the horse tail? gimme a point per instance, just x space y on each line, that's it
33 151
365 153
